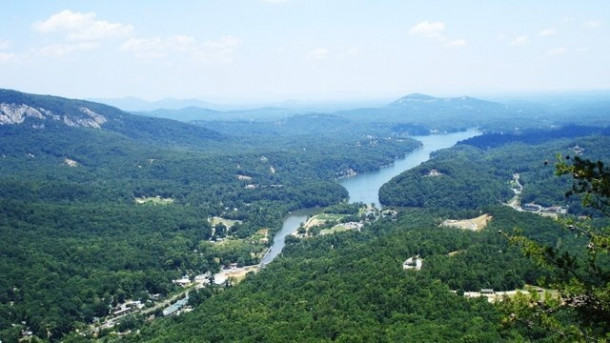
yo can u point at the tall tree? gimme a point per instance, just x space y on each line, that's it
578 308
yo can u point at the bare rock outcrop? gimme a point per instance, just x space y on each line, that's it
11 114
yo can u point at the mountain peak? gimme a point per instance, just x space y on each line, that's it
418 98
415 97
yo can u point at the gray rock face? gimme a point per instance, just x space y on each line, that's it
16 114
11 114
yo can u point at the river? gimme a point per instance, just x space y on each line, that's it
365 187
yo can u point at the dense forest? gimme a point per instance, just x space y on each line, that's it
92 217
352 286
76 239
479 171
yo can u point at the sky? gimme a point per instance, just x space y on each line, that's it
305 50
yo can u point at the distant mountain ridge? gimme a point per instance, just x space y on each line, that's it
412 101
419 108
420 113
132 104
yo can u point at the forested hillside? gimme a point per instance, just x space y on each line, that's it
97 215
479 171
49 113
304 171
352 287
93 216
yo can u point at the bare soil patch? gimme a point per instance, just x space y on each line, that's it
474 224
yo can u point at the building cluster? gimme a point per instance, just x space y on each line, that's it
552 210
127 307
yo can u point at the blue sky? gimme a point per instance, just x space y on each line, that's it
307 50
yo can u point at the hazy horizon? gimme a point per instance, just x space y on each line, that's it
269 51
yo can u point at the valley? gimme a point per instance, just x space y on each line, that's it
150 229
304 171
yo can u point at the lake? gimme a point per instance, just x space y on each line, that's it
365 187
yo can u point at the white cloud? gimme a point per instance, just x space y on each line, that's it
221 50
592 24
157 47
146 47
546 32
557 51
520 41
7 57
64 49
428 29
275 1
318 54
355 51
81 26
435 31
349 53
456 43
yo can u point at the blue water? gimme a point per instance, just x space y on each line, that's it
365 187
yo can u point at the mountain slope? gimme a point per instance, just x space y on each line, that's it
44 112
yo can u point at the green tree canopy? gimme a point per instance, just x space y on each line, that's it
578 308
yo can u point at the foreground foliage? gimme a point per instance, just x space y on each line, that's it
580 311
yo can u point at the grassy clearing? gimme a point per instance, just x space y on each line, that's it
262 234
321 219
238 274
329 216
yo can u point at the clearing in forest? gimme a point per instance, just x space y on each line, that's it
235 274
154 200
321 219
474 224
